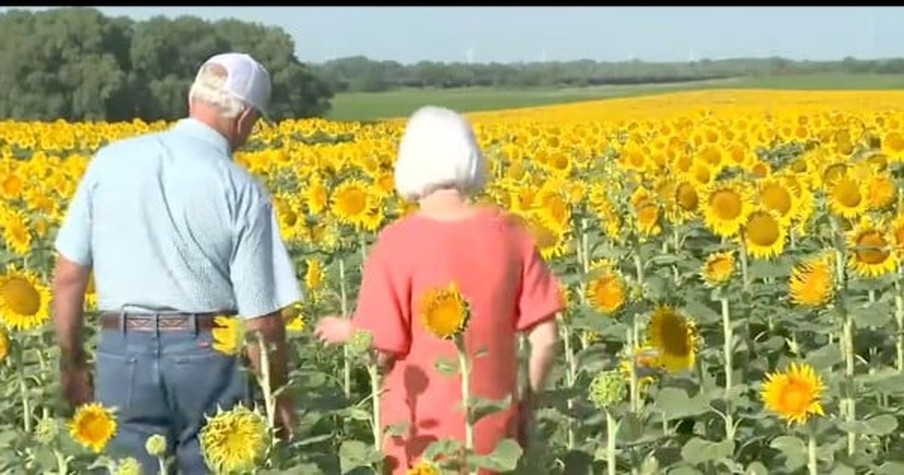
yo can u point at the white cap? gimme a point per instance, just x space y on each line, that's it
246 79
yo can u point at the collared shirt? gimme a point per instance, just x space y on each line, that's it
170 223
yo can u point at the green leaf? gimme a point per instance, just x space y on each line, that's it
883 424
442 447
824 357
353 454
397 430
447 366
358 414
698 450
890 468
874 314
481 407
701 312
503 458
675 403
756 468
792 448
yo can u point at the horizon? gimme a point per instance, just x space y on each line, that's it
507 35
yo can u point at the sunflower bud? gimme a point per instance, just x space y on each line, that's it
47 430
156 445
360 342
607 388
128 466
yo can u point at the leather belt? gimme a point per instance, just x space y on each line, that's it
158 322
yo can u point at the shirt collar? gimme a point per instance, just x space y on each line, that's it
204 132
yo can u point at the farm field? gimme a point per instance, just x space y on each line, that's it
400 103
731 260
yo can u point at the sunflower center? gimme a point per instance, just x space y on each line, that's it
895 142
762 229
20 296
686 196
726 204
608 293
353 201
795 399
776 198
874 240
673 333
847 193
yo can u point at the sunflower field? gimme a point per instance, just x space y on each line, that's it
732 262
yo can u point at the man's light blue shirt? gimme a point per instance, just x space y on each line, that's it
170 223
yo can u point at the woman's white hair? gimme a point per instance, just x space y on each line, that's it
209 87
438 150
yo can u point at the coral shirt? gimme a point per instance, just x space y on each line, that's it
496 265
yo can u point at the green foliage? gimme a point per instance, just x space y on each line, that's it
76 64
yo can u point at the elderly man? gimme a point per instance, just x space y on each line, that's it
176 233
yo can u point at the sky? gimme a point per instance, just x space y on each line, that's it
513 34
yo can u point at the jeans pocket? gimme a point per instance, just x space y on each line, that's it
203 380
115 380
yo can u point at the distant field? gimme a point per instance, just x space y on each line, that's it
371 106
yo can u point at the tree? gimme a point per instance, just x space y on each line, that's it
77 64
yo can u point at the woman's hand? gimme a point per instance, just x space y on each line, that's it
333 330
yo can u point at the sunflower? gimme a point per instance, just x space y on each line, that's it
234 441
127 466
17 232
871 253
351 201
92 426
847 196
4 344
314 275
726 207
776 195
897 234
675 339
445 311
228 334
812 281
24 301
293 317
552 238
882 191
794 394
424 467
316 194
718 268
764 235
607 292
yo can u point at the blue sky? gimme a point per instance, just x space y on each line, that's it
512 34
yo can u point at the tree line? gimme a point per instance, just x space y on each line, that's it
77 64
360 74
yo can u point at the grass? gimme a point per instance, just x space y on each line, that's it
400 103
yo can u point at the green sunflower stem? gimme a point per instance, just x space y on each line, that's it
611 438
570 374
23 389
346 356
633 385
374 372
729 367
464 365
899 318
812 461
849 402
161 464
269 399
745 275
63 462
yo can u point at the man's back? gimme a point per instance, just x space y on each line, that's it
165 209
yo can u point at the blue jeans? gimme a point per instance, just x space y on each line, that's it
165 382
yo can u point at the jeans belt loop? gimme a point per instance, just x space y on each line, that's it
193 323
122 320
156 318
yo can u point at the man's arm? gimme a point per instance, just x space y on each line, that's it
264 282
543 339
70 280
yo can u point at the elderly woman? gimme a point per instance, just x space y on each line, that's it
495 264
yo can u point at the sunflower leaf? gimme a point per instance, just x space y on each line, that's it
792 448
698 450
447 366
504 457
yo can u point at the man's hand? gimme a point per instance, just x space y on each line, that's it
77 385
333 330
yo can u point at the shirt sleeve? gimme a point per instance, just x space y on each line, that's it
539 299
73 239
262 274
384 303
